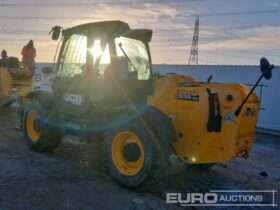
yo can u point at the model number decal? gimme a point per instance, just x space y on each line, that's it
190 95
73 98
187 97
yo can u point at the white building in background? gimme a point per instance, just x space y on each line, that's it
269 117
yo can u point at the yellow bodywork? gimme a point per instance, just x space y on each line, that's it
6 83
190 117
13 87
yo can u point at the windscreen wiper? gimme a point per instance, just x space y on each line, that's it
126 56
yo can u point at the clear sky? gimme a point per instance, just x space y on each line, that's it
231 31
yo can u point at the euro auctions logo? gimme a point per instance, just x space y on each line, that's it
224 198
192 198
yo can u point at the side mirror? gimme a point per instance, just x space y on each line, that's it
56 30
47 70
266 68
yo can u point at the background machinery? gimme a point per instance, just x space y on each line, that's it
104 88
15 81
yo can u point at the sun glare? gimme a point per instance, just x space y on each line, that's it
96 51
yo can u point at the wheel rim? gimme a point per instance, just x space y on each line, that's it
34 125
125 165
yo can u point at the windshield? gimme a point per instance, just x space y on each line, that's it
101 57
133 58
74 56
132 55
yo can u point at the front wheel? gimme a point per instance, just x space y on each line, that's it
131 153
41 131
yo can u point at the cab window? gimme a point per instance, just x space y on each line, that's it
101 56
73 58
132 58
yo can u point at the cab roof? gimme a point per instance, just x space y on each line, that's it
108 27
114 28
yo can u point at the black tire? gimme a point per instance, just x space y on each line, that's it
150 153
49 132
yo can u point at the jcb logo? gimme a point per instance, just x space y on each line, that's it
73 98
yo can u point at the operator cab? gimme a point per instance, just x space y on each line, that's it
104 63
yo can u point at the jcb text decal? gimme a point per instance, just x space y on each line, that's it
73 98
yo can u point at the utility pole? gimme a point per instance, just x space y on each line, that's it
193 59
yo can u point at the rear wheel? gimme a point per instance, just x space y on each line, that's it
40 132
131 154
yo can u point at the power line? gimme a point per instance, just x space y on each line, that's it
42 17
168 50
67 4
230 55
235 13
227 28
87 4
177 29
214 38
22 30
253 52
214 50
183 61
113 3
165 41
19 48
19 40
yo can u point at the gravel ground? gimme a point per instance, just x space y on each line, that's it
73 178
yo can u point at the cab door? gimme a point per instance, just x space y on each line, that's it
70 84
83 62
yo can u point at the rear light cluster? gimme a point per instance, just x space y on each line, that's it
215 118
217 104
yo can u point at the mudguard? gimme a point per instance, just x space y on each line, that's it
162 124
157 120
47 99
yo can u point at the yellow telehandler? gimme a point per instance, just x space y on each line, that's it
104 86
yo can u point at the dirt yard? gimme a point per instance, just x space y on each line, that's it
72 178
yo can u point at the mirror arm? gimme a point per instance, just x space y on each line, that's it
126 56
268 68
238 110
